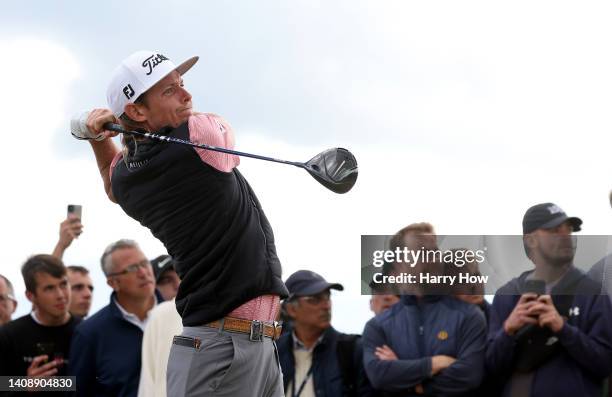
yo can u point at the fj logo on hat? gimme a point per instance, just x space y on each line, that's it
553 209
443 335
128 91
153 61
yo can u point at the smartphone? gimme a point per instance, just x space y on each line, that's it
45 348
75 209
537 287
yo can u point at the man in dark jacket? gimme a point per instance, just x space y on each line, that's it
556 341
425 344
428 345
316 359
106 348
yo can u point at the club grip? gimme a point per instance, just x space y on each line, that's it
114 127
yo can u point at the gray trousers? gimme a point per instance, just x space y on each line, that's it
224 364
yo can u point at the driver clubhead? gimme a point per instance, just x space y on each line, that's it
336 169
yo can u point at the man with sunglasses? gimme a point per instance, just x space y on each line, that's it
316 359
106 348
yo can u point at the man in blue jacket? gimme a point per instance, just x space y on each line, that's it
556 341
425 344
106 348
316 359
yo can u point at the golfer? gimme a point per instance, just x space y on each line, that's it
208 217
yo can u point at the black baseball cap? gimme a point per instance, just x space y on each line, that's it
161 264
547 216
306 283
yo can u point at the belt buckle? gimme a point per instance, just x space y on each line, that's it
278 328
257 331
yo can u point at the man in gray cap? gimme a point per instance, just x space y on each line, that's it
316 359
550 333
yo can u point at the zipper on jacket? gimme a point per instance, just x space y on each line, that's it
421 330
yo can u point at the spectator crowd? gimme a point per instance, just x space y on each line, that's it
547 332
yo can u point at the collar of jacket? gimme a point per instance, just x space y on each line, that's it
412 300
115 310
566 283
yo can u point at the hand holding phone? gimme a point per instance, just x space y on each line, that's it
75 211
71 227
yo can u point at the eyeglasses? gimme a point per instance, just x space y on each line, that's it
6 298
316 299
131 268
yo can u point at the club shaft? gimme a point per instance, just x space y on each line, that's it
163 138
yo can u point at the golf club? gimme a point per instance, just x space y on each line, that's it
335 168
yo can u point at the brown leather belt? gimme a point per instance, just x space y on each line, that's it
254 328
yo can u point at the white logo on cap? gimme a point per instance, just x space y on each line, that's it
163 263
153 61
553 209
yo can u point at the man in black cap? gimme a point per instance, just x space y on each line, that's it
316 359
550 333
166 279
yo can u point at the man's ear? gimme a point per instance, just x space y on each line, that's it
135 112
14 307
30 295
290 310
113 283
530 240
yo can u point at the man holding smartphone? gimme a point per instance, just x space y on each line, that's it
550 333
38 343
81 285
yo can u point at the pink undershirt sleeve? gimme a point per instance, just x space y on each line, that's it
116 159
213 130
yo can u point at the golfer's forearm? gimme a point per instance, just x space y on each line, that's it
105 151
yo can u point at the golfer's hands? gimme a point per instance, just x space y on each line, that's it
38 368
440 362
521 314
384 352
547 314
96 120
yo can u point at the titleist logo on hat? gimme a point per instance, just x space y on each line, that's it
151 62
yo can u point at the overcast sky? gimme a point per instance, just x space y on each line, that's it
463 114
